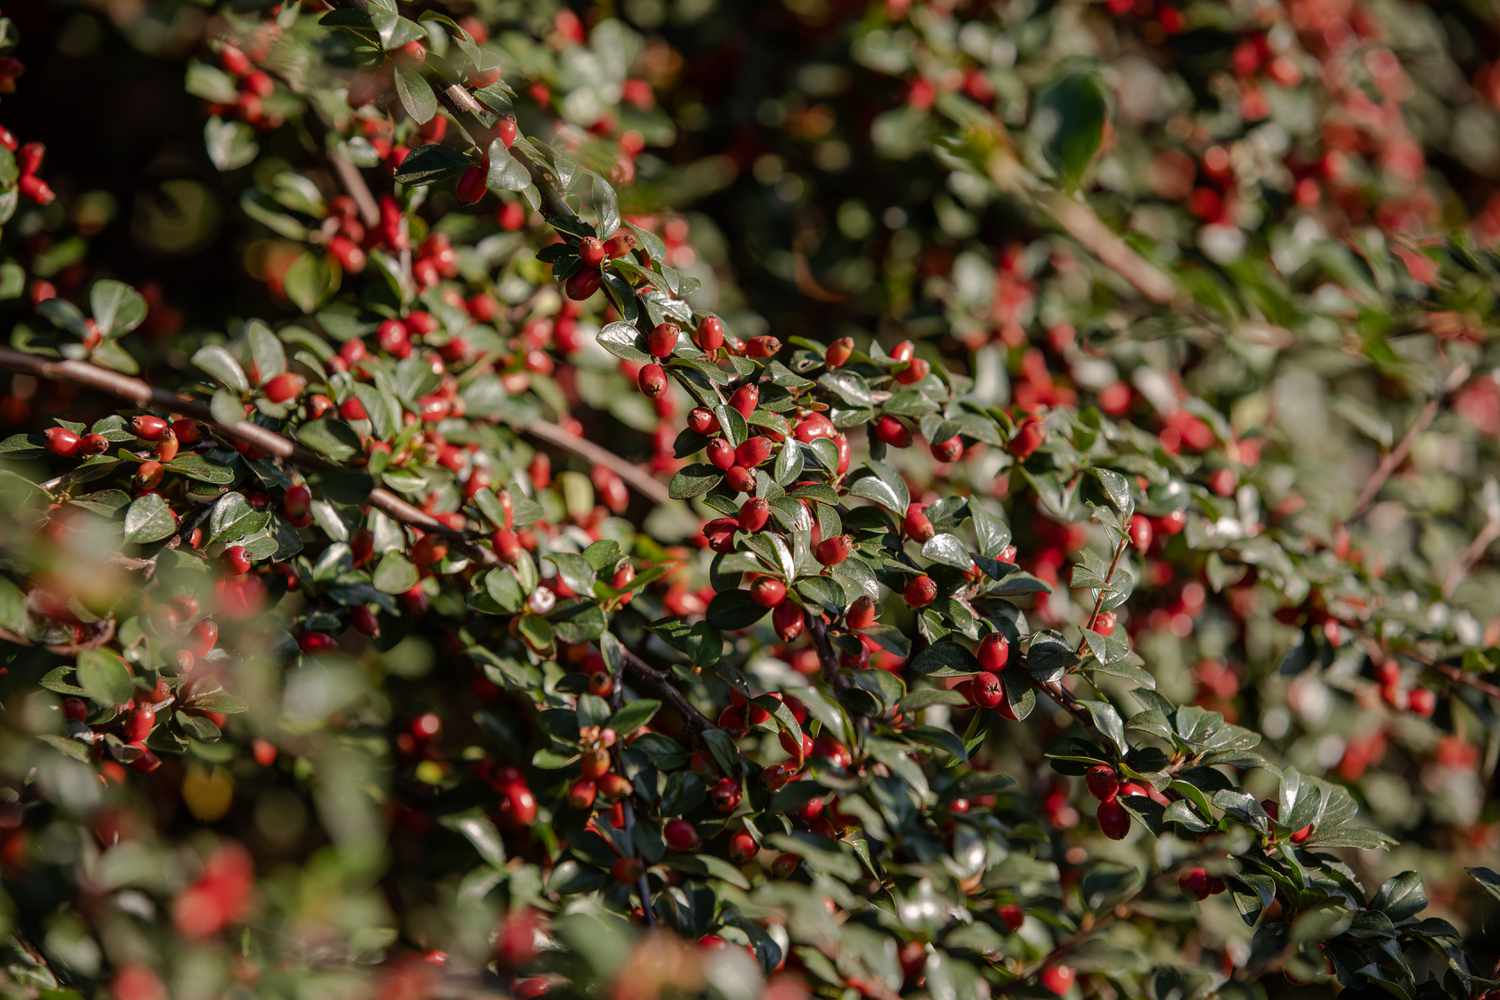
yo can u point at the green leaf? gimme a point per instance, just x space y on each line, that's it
12 607
117 307
105 677
395 574
312 280
149 519
633 715
575 571
415 93
694 481
1068 123
506 173
331 438
734 609
1107 719
266 350
479 830
430 164
1401 897
1488 879
221 366
622 340
230 144
947 549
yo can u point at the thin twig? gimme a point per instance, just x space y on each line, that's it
638 479
354 183
144 395
1397 455
659 683
1471 554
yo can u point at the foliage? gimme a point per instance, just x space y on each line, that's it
555 540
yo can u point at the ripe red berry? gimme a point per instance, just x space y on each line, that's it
768 592
1028 438
1103 782
1140 532
148 427
591 251
98 444
916 525
984 691
284 387
745 399
1421 701
921 591
61 441
680 835
710 334
701 420
861 614
832 551
652 380
994 652
506 131
754 513
740 479
726 795
662 340
788 621
753 451
237 559
891 431
1057 979
949 449
839 352
742 847
1114 821
1195 882
915 371
140 724
627 871
1300 835
721 453
583 283
1011 915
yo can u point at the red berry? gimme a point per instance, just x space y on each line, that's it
1300 835
891 431
768 592
948 450
753 451
652 380
591 251
1140 532
680 835
832 551
984 691
702 420
1103 783
61 441
237 560
921 591
1011 915
1057 979
662 340
788 621
814 426
1114 821
839 352
861 614
1421 701
506 131
710 334
745 399
915 371
627 871
742 847
284 387
721 453
583 283
740 479
916 525
1195 882
140 724
994 651
148 427
754 513
1028 438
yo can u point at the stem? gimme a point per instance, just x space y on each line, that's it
659 683
1397 455
143 394
354 183
1471 554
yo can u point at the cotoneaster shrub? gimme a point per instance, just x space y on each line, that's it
775 501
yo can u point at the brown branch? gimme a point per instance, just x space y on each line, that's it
1471 555
641 481
1393 459
659 683
354 183
143 394
105 634
1080 222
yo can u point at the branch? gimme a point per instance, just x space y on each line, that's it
1471 554
354 183
657 682
641 481
1397 455
143 394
